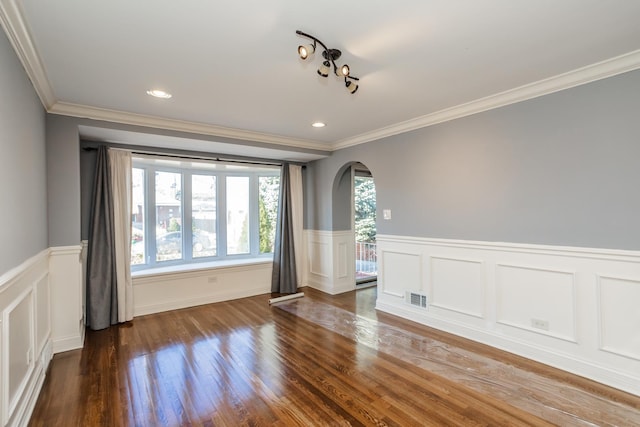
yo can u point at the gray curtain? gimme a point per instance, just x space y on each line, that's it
102 296
283 278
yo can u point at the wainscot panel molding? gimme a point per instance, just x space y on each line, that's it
67 314
571 308
327 265
25 337
154 293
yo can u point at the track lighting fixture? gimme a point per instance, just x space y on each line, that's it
305 51
330 57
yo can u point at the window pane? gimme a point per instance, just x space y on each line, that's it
203 205
269 187
237 215
137 217
168 216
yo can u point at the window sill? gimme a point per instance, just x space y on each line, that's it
199 268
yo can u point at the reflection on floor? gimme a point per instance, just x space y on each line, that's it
547 398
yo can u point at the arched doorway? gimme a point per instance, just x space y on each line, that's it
354 202
364 226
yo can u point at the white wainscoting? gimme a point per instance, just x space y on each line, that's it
67 302
329 261
458 285
25 337
618 299
157 292
572 308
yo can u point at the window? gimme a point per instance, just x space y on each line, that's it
237 215
230 211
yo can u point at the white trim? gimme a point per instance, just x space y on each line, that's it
572 273
65 250
334 276
26 409
71 342
96 113
573 251
185 271
601 326
66 287
16 273
432 293
608 68
574 344
382 253
12 20
47 335
16 29
10 403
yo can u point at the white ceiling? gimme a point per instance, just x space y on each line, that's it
233 69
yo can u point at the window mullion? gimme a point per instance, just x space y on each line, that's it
151 212
187 216
254 216
221 214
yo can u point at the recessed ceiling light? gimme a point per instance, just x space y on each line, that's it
159 93
318 125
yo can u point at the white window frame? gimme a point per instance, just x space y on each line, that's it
149 212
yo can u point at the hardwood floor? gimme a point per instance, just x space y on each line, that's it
244 362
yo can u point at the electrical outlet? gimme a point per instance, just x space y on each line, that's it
540 324
386 214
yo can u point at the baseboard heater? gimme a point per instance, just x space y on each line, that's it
286 297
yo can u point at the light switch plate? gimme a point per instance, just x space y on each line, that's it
386 213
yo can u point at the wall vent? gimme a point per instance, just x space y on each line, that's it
416 299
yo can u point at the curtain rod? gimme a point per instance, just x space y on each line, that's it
197 156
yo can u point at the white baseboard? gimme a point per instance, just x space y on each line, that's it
62 344
23 415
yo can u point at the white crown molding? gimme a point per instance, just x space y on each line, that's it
12 21
18 34
608 68
96 113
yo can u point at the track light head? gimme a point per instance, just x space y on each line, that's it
352 87
330 57
306 50
343 71
324 69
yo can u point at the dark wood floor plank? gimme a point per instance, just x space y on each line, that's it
246 363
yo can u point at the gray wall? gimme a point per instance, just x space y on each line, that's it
87 177
563 169
63 180
23 216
